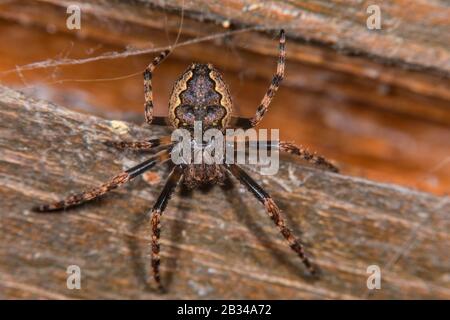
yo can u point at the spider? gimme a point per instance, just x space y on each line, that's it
200 94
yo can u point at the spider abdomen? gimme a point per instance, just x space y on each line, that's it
200 94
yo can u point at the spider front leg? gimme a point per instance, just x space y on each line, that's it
273 211
157 211
115 182
139 145
246 123
148 90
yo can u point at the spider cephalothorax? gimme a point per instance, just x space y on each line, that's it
200 94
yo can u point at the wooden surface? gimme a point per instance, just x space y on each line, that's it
376 101
215 244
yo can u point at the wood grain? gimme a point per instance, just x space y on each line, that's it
382 119
423 28
215 244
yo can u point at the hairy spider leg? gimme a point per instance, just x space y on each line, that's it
291 148
146 145
312 158
246 123
157 210
148 91
115 182
273 211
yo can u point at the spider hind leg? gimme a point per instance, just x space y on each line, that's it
148 89
247 123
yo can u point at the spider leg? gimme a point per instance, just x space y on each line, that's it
246 123
115 182
291 148
273 211
148 94
139 145
314 159
157 211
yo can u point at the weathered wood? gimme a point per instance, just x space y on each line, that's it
421 28
345 44
385 119
214 245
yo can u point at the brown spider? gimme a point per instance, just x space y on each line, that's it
200 94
